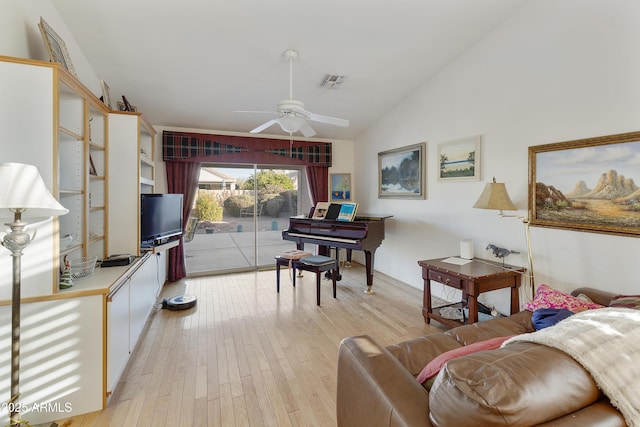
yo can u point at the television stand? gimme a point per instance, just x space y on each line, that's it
160 247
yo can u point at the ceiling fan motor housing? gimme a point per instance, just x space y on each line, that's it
291 105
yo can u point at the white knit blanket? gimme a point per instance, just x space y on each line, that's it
606 342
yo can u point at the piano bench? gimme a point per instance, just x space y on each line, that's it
317 264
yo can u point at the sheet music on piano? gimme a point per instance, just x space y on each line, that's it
320 211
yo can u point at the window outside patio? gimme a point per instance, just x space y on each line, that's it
234 233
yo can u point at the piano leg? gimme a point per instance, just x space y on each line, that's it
348 263
368 256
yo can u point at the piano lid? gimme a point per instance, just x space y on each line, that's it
371 217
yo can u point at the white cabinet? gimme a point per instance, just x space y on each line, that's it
117 334
128 308
131 173
61 358
26 121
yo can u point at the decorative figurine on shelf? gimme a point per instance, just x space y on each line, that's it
66 281
500 252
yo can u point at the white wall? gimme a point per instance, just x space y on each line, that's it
555 71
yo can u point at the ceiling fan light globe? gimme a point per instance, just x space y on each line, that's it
291 123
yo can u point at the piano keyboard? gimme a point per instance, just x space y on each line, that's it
327 238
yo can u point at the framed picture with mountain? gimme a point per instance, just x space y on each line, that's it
587 185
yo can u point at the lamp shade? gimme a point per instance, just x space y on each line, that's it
22 187
495 197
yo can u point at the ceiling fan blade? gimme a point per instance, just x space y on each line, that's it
328 120
307 130
264 126
254 112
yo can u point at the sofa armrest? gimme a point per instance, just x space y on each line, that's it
375 390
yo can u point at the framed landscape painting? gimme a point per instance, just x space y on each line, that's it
587 185
401 172
460 159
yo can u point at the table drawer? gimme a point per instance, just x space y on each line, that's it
445 279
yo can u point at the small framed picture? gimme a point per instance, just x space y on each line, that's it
106 93
56 47
460 159
340 184
92 167
127 104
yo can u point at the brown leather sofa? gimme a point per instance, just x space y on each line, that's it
523 384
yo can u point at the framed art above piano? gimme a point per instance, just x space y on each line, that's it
340 185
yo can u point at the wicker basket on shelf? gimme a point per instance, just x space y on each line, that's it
82 267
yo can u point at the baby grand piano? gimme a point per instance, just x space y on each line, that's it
364 233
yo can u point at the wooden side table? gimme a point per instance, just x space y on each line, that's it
474 278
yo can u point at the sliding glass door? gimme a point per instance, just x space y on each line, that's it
241 212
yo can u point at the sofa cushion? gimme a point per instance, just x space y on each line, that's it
516 324
432 368
522 385
416 353
547 297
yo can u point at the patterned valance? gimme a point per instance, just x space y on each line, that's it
198 147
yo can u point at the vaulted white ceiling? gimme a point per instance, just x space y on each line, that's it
192 63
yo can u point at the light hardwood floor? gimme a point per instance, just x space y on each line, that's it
248 356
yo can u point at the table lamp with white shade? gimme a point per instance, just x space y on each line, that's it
24 199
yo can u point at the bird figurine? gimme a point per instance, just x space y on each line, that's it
500 252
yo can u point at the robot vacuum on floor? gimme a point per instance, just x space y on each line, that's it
180 302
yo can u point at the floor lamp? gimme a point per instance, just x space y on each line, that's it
495 197
24 199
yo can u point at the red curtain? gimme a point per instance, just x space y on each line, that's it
182 178
318 178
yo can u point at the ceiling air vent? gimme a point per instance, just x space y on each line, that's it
331 81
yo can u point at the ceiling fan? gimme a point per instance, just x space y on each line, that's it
291 115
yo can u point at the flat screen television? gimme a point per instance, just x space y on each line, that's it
160 217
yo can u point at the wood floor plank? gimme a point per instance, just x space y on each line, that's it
160 413
249 356
214 413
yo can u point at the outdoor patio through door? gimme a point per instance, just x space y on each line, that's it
242 211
